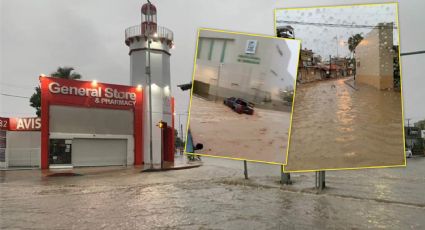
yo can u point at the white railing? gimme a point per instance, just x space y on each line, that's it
136 31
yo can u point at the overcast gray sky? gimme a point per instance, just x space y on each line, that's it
330 40
38 36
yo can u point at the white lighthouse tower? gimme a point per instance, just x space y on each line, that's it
150 67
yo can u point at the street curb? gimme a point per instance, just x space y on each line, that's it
170 169
351 85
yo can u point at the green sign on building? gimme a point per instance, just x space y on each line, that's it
248 59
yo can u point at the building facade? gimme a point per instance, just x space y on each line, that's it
374 58
253 68
82 124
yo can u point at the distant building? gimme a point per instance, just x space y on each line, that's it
374 58
308 69
331 70
420 124
306 57
414 140
317 59
344 66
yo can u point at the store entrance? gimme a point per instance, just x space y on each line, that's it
60 152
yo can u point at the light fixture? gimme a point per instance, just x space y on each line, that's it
139 87
94 83
167 90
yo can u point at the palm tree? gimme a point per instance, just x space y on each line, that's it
66 73
353 42
61 72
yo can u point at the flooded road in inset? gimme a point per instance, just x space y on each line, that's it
262 136
337 126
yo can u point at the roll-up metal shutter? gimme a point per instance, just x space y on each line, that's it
99 152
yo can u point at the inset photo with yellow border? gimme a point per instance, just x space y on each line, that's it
348 111
241 98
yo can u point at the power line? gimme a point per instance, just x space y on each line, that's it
337 25
18 86
413 53
11 95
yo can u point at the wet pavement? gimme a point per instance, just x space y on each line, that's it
262 136
336 125
214 196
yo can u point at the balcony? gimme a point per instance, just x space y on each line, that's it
136 32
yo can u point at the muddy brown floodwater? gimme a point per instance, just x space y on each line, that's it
214 196
262 136
336 126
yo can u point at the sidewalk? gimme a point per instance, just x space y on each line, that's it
351 82
180 162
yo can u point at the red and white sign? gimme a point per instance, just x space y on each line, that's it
4 123
64 92
20 124
25 124
90 94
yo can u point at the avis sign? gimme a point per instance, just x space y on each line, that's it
25 124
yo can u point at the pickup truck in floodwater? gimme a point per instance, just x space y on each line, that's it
239 105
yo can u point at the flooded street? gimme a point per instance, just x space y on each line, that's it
262 136
336 126
214 196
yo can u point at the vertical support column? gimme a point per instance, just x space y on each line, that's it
245 172
138 129
285 178
320 182
173 136
44 161
164 140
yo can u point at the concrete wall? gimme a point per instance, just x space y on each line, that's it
23 148
374 58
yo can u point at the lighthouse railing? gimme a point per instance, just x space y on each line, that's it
136 31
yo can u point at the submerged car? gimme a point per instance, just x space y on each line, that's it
239 105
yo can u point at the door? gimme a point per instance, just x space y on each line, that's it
99 152
60 151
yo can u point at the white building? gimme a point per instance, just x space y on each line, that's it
374 58
255 68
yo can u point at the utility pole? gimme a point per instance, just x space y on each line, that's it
330 65
218 80
337 53
148 72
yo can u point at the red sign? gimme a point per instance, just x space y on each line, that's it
89 94
25 124
4 123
